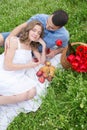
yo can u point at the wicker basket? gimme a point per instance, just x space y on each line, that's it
64 61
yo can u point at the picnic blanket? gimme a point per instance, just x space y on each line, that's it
9 112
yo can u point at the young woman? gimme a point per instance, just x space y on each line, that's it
15 85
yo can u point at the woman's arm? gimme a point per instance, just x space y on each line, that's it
43 54
9 55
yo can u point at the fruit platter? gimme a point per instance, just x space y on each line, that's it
46 72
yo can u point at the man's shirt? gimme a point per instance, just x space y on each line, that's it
50 37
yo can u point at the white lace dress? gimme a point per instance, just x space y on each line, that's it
15 82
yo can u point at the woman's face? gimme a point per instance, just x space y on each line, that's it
35 33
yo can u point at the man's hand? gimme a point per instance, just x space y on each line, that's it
51 54
54 52
7 44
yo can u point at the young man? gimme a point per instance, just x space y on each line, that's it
53 30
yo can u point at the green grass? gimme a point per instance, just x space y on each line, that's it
65 105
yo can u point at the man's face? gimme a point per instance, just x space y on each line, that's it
49 25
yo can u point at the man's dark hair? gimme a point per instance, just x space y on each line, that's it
60 18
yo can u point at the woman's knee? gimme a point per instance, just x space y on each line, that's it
1 40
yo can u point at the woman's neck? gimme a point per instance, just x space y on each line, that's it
25 45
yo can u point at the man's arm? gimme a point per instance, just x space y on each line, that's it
16 31
54 52
57 51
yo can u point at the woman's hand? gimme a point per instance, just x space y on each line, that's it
8 41
43 54
41 41
33 64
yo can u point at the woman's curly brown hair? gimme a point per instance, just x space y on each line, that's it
25 33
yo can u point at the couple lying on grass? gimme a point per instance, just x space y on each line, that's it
28 40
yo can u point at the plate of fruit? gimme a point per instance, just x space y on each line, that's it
46 72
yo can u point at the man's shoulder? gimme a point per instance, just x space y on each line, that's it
63 33
63 30
41 17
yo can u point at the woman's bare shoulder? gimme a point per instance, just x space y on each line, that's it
14 42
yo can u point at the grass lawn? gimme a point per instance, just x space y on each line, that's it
65 105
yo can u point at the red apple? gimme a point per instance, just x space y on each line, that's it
39 73
59 42
41 79
45 75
